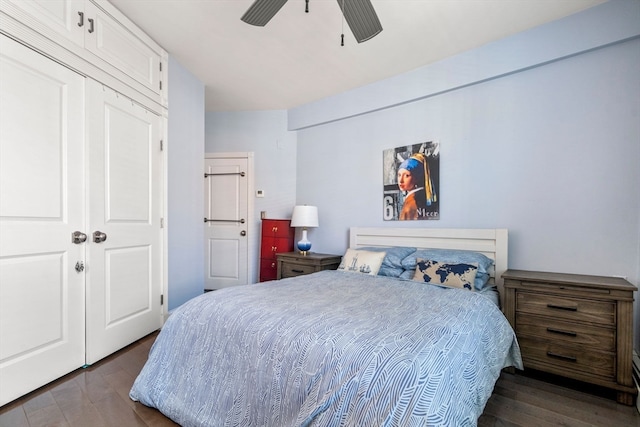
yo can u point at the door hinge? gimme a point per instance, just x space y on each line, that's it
160 84
160 66
161 145
161 222
161 299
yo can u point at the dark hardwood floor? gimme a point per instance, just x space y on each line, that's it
99 396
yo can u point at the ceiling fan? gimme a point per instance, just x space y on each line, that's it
359 14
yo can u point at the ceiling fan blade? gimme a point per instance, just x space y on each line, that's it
362 18
261 12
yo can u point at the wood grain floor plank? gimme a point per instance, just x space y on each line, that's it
14 417
152 416
76 407
487 420
117 412
507 410
39 401
50 416
525 414
93 384
564 402
121 382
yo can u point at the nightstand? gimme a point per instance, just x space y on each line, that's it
291 264
573 325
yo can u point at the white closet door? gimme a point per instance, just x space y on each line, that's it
41 204
65 17
111 41
227 215
124 274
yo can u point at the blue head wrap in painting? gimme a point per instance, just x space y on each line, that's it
414 166
409 164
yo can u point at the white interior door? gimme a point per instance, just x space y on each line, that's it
226 215
41 205
124 271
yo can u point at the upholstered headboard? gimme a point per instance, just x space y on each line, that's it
491 242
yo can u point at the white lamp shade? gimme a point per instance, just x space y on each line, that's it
304 216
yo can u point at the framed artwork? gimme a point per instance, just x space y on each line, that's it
411 178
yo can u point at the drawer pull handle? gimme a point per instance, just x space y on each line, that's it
562 307
562 356
561 332
297 271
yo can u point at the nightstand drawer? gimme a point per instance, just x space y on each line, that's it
291 270
564 332
293 264
574 309
539 354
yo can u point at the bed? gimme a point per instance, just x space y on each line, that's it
343 348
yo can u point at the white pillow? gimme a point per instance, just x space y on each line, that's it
364 262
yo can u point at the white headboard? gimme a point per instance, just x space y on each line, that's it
491 242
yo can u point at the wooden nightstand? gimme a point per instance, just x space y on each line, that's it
573 325
291 264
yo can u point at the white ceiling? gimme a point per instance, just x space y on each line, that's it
297 58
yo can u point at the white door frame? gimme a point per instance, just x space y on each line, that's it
253 240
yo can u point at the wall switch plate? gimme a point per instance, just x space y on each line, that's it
259 193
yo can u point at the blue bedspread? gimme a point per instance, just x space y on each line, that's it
329 349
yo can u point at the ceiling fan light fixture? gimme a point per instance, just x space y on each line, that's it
361 18
261 12
359 14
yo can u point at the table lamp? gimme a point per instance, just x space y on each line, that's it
304 216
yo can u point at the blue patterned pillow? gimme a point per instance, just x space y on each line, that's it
452 256
440 273
392 262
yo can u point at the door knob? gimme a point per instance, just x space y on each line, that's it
78 237
99 236
243 233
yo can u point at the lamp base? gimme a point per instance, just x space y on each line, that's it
304 244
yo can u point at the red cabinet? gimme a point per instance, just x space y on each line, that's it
277 237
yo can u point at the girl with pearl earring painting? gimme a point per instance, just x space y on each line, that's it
411 182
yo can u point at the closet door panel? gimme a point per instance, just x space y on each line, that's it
60 16
41 205
124 275
114 43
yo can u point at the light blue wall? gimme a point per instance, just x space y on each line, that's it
185 163
265 134
551 151
539 133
